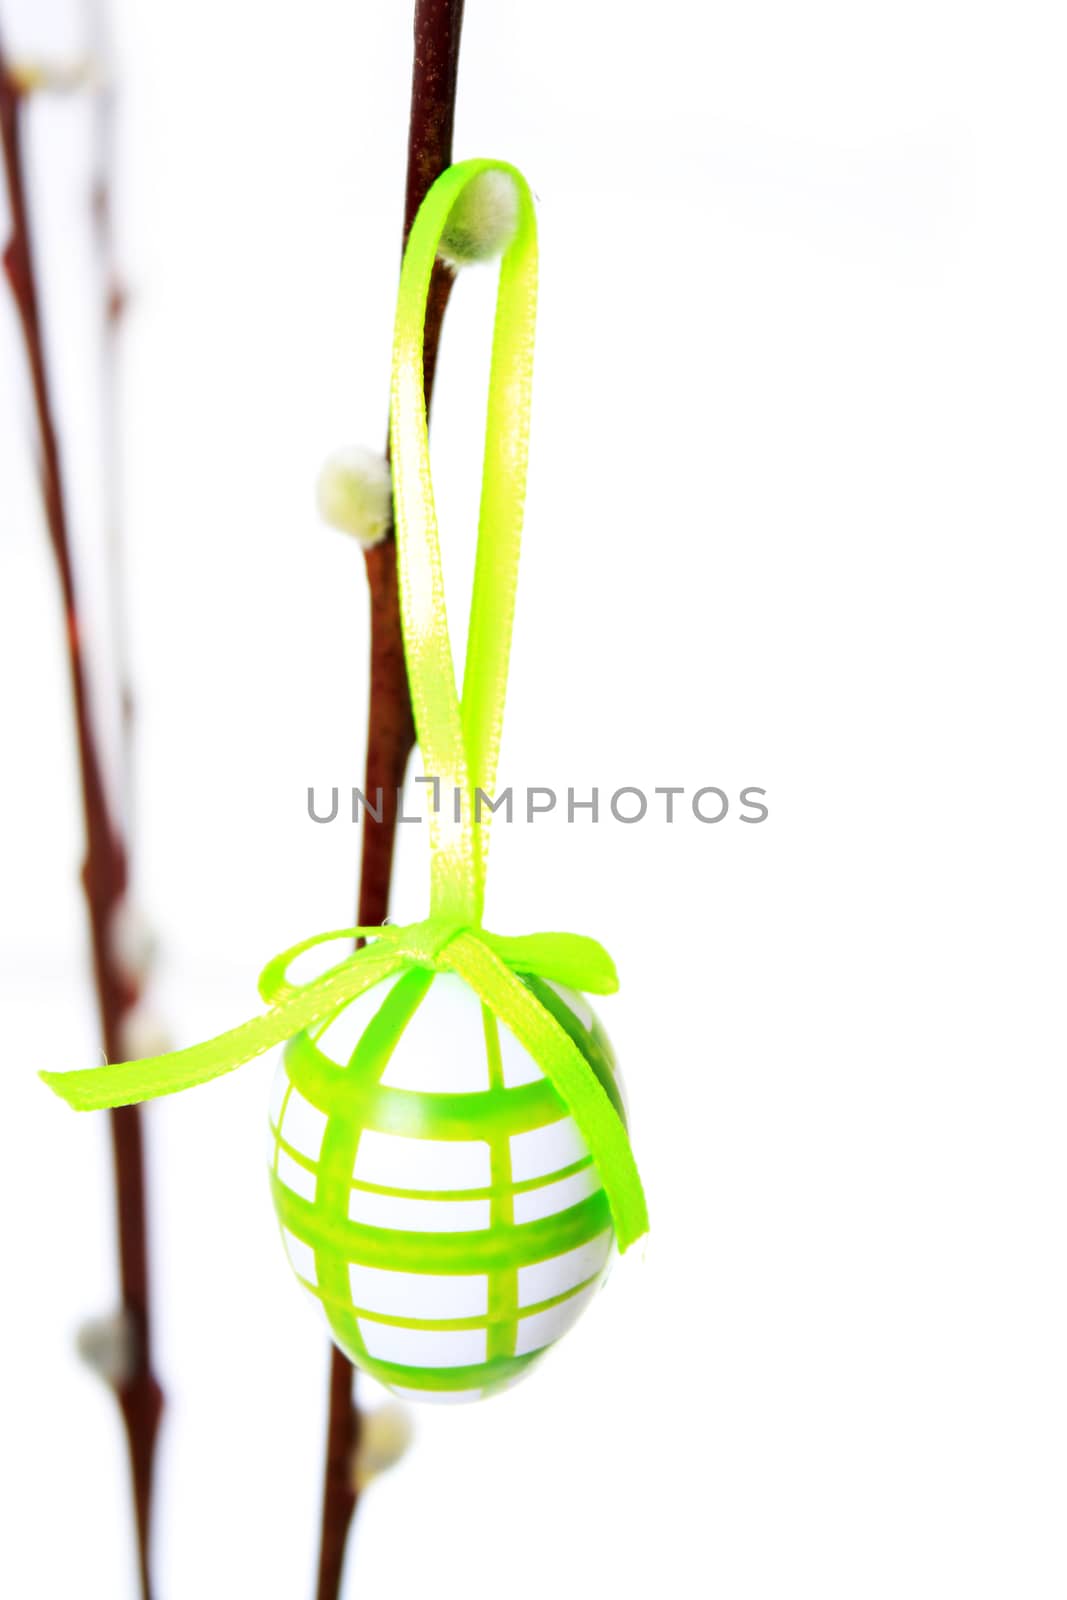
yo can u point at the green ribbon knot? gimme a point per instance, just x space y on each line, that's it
459 737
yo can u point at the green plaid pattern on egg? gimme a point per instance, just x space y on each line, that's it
433 1193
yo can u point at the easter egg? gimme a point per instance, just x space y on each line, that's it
435 1197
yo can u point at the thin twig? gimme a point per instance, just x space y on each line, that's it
391 729
104 874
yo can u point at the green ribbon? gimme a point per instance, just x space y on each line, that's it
459 737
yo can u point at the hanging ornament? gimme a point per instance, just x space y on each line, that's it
449 1159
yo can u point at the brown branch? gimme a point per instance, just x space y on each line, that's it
391 728
104 874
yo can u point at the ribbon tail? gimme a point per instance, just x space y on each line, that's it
123 1083
570 1074
567 958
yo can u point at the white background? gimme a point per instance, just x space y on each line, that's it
796 519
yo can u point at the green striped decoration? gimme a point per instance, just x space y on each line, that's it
434 1195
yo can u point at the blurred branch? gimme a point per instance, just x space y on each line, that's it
104 874
391 729
114 298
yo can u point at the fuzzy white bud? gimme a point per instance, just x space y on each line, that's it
385 1436
142 1033
108 1346
355 494
56 77
482 222
133 942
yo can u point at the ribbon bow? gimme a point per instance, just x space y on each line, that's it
459 738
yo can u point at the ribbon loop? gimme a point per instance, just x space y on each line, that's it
460 743
275 985
568 958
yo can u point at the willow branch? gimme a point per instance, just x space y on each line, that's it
104 874
391 728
